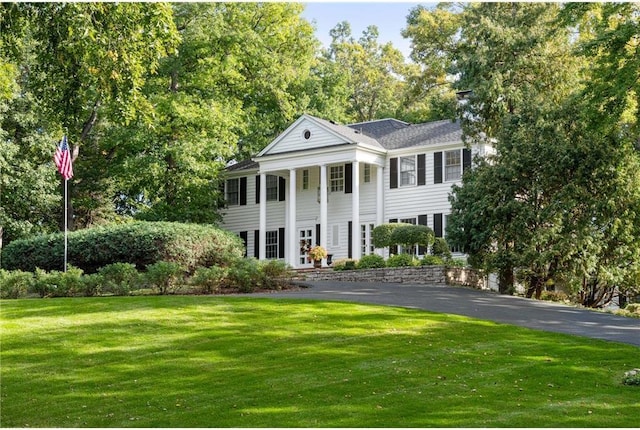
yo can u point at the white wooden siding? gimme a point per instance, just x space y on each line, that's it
295 141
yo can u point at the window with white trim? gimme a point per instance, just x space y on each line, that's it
452 165
271 244
366 244
407 171
367 173
336 177
272 188
305 179
233 192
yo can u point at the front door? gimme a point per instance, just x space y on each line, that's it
305 243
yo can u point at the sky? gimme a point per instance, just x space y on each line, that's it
389 17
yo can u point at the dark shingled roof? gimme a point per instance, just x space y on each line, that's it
242 165
388 134
394 134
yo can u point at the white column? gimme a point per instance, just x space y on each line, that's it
355 211
262 236
380 201
291 228
323 208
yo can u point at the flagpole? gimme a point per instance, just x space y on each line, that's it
66 220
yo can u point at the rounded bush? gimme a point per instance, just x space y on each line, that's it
209 280
138 243
401 260
15 284
431 260
165 277
440 248
372 261
119 278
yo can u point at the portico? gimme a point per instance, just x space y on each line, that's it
348 160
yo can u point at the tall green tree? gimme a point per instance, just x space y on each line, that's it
89 63
373 72
237 78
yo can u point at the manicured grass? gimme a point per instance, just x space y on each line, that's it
246 362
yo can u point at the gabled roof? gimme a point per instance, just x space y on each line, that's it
350 134
387 134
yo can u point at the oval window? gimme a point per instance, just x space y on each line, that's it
306 134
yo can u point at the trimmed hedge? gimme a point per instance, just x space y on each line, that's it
139 243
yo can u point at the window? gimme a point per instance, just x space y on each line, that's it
408 221
272 188
336 178
452 165
367 173
305 179
272 244
306 134
366 244
407 171
233 192
335 235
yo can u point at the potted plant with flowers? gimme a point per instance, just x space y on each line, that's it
317 253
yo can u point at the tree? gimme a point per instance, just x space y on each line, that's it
236 79
559 199
373 72
89 60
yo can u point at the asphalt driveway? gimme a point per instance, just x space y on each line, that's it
547 316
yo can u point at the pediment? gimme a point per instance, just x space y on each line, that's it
309 132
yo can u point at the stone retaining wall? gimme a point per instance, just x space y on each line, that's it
423 275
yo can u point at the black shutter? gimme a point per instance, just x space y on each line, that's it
348 178
466 159
243 191
282 185
437 224
317 234
256 243
422 220
437 167
257 189
393 173
244 236
422 175
281 241
350 236
221 189
394 248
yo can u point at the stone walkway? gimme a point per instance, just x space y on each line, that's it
541 315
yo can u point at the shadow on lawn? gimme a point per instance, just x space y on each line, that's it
239 362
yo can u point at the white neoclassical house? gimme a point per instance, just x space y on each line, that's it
329 184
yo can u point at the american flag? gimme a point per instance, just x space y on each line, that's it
62 158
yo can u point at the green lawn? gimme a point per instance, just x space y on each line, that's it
245 362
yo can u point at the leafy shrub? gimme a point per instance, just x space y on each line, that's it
371 261
275 274
401 260
245 275
344 264
440 248
431 260
58 284
165 277
209 280
92 285
456 262
381 235
119 279
554 296
139 243
410 235
15 284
